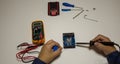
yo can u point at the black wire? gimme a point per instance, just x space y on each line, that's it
117 45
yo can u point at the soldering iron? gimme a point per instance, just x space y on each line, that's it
91 43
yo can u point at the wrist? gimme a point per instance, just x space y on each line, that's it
109 51
45 58
37 60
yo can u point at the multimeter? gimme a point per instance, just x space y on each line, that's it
38 37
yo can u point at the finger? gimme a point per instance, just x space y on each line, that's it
58 52
97 37
57 44
99 46
53 44
100 38
49 42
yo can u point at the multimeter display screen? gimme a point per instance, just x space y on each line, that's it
37 31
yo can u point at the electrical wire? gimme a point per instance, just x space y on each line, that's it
27 59
117 46
21 55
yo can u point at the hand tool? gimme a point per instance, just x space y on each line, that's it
69 5
91 43
66 10
85 17
78 14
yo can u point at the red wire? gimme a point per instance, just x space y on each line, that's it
20 55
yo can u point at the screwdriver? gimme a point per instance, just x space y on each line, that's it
91 43
69 5
65 10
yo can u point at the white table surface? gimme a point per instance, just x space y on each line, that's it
16 17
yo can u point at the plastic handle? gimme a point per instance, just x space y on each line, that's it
68 5
104 43
66 9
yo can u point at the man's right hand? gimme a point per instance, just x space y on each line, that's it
105 49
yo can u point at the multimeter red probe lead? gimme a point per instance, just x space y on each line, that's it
21 55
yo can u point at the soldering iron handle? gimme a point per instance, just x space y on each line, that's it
104 43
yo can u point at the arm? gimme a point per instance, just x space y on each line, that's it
113 56
47 54
38 61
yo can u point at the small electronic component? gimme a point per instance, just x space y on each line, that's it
53 8
55 48
68 40
38 36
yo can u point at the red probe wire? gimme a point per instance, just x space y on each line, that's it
20 55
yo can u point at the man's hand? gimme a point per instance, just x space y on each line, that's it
47 54
105 49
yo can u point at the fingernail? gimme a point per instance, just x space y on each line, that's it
96 43
51 40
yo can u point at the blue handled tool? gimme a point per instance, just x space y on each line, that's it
65 10
69 5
